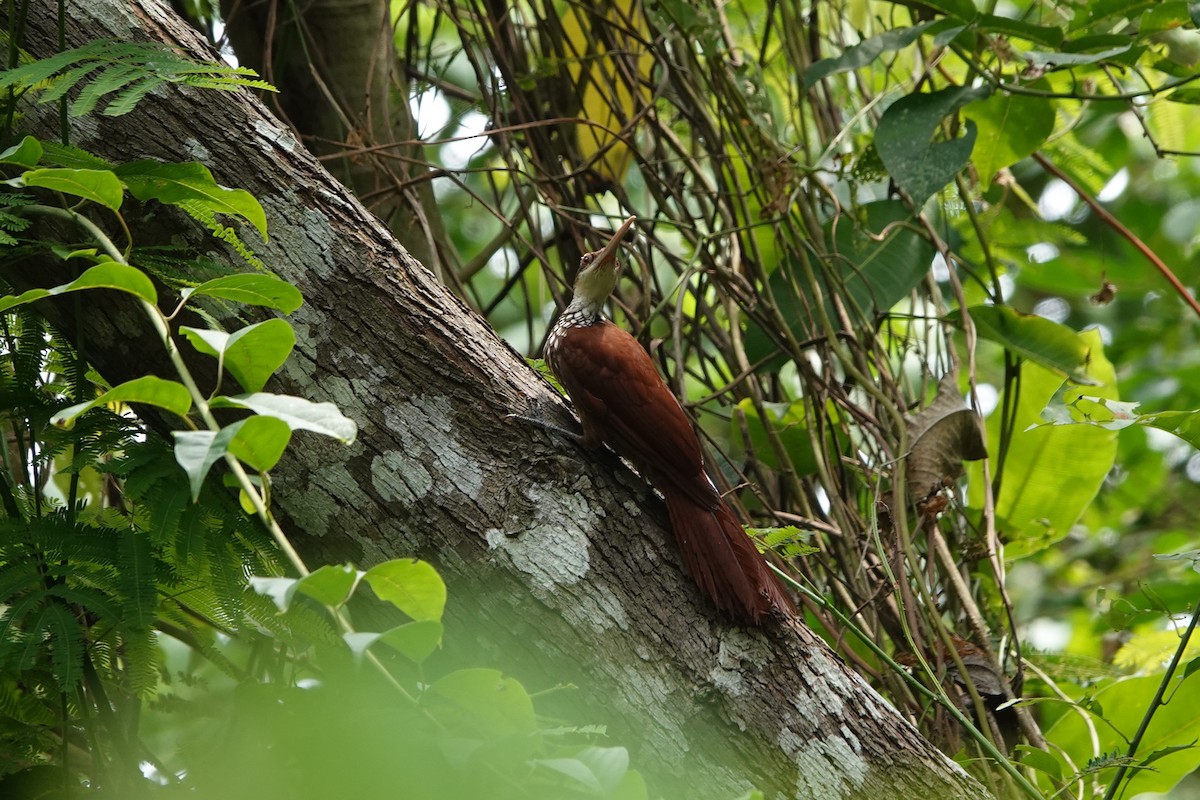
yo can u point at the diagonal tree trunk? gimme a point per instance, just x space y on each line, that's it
558 562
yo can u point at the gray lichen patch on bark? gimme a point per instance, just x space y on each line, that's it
425 428
553 550
827 768
739 649
397 477
330 490
277 135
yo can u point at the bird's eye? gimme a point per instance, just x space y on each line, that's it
586 259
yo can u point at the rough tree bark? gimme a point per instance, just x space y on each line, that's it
558 562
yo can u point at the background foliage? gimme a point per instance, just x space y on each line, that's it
852 215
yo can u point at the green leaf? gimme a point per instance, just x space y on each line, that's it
962 9
1164 16
190 182
251 354
197 451
1011 127
412 586
1038 339
574 769
331 585
1168 739
1050 35
280 590
107 275
98 185
1044 60
360 641
298 413
254 289
869 50
259 442
1051 474
25 153
493 704
1114 415
416 640
608 764
147 390
1040 760
878 270
904 139
107 81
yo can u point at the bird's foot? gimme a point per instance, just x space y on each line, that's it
546 425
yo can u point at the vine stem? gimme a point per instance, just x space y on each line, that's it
1125 233
1155 704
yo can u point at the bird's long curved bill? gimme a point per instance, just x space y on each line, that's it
609 251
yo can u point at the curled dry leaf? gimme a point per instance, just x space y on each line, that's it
943 435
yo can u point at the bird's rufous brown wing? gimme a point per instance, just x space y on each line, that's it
618 393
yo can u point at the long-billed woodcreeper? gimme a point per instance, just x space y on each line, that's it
622 401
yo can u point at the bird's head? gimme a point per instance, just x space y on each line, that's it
598 270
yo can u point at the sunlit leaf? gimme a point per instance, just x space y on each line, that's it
331 584
413 586
197 451
259 441
25 153
106 275
254 289
1011 127
869 50
148 390
175 183
99 186
1038 339
1051 474
280 590
496 705
1174 726
251 354
415 640
298 413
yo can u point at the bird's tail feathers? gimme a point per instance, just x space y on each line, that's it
724 562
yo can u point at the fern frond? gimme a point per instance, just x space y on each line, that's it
18 576
13 223
176 266
208 219
16 199
108 81
20 705
136 564
141 660
66 641
13 637
32 349
130 69
71 157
